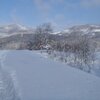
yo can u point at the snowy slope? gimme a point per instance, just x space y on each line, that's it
43 79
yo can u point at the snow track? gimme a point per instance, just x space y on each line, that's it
7 86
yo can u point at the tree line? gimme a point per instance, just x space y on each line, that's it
81 46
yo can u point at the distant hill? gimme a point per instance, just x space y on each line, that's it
16 36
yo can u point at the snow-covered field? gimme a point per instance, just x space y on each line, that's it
41 78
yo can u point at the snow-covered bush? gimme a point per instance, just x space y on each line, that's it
80 51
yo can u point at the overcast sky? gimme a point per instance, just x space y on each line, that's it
61 13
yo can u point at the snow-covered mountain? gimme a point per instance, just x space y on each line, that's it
14 28
90 30
11 36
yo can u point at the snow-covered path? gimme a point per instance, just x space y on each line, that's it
7 86
43 79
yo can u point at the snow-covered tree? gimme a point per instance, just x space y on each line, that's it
41 35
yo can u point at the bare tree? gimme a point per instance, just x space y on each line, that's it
41 35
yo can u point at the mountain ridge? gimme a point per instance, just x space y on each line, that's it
19 37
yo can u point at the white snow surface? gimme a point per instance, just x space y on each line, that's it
44 79
8 90
96 30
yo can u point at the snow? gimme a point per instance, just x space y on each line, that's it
67 31
60 32
14 34
83 30
44 79
55 33
11 26
22 27
96 26
8 90
96 30
3 35
5 30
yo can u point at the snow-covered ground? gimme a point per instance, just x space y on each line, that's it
41 78
8 90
